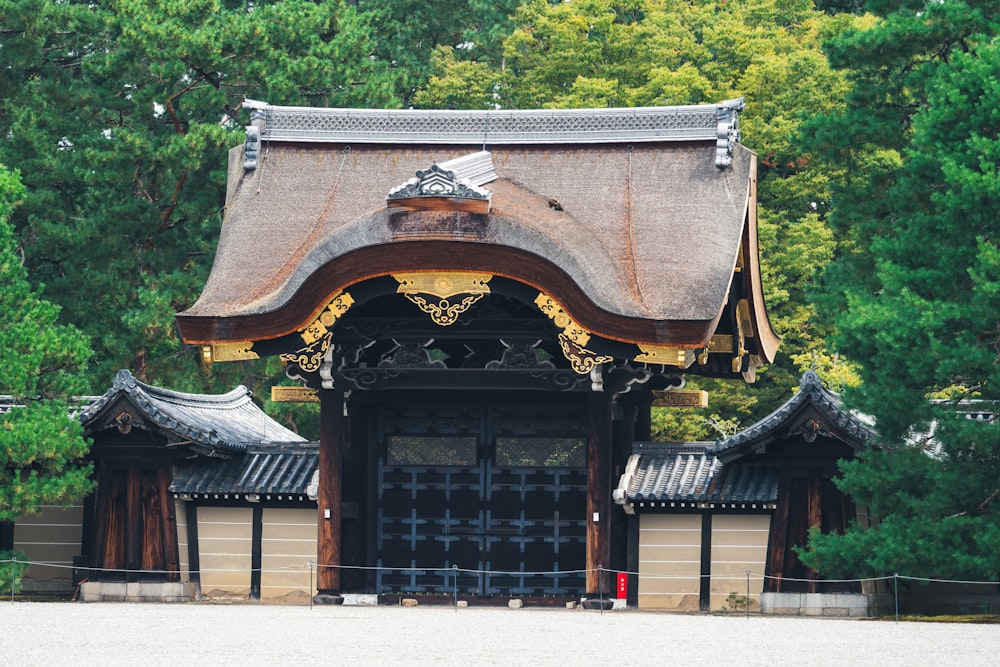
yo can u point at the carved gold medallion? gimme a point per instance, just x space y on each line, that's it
443 296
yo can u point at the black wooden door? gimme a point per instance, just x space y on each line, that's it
481 508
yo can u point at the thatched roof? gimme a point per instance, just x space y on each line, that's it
632 219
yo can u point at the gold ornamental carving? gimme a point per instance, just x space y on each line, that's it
573 338
721 343
581 360
681 398
321 326
562 320
744 330
293 394
231 351
443 296
317 335
666 355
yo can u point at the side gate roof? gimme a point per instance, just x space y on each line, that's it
218 426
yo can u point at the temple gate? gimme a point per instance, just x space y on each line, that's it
485 304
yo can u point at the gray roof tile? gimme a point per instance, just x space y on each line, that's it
688 473
271 469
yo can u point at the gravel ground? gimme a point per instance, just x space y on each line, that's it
37 633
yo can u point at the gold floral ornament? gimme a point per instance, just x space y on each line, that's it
581 360
573 338
317 335
443 296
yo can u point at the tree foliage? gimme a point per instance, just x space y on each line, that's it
916 289
41 445
119 116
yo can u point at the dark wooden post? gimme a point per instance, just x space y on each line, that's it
599 496
644 421
6 535
815 516
623 434
169 512
331 471
133 520
778 538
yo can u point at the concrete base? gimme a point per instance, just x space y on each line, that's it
60 588
328 598
597 603
107 591
844 605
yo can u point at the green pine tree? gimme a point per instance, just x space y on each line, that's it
916 288
41 445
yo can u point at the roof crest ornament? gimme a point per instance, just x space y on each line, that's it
258 123
458 179
727 131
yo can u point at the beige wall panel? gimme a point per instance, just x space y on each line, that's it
665 554
288 544
224 544
180 511
739 543
52 536
669 561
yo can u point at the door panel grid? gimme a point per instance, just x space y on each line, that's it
508 530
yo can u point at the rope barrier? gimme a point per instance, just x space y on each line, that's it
455 570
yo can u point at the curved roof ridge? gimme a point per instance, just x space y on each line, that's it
811 391
217 425
692 122
128 382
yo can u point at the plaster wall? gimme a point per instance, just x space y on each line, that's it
669 561
50 538
224 547
739 543
288 544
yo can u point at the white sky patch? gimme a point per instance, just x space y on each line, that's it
158 109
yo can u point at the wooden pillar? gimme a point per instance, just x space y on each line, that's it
153 557
633 560
599 496
778 539
705 582
256 553
815 516
133 520
6 535
102 515
168 510
331 465
194 553
644 422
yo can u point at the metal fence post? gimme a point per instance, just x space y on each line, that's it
895 593
748 593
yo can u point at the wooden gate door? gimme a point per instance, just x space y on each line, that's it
492 512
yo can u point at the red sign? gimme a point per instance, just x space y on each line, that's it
622 585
